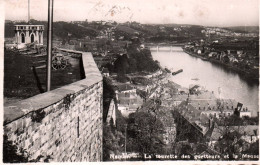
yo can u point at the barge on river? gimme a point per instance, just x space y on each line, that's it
178 71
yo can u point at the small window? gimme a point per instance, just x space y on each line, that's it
22 38
32 38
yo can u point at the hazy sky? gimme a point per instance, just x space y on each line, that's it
202 12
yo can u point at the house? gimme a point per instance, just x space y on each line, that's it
248 133
195 89
191 125
212 54
232 58
169 132
244 113
218 113
105 72
125 88
174 101
127 99
240 52
142 46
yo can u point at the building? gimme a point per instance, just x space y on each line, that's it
26 34
105 72
249 133
169 133
127 99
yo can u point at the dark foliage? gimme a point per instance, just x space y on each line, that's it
38 115
141 60
144 133
121 66
253 149
235 120
113 137
10 152
108 95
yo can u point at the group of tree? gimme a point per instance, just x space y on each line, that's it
136 60
144 133
114 136
140 133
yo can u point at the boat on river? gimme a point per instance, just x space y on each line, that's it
178 71
204 58
167 70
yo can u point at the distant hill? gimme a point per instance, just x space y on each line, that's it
62 29
150 32
244 29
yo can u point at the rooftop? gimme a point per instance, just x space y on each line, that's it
251 130
124 87
105 70
193 115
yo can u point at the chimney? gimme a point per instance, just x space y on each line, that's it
28 11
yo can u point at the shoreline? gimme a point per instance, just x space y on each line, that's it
250 76
169 79
164 44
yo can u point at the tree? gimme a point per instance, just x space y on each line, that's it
253 148
145 132
121 65
230 141
13 154
108 95
10 152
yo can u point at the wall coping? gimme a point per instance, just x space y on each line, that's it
21 108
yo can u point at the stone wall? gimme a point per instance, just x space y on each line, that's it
111 114
64 124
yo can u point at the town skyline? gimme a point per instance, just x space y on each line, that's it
203 12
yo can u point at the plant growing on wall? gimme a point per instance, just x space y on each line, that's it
38 115
67 100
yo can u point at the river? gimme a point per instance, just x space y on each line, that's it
213 77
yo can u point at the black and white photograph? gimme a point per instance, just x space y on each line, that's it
130 80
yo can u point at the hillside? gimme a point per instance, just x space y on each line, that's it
150 32
60 29
243 29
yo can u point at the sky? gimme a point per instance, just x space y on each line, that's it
199 12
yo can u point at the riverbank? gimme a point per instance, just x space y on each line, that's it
212 76
163 44
253 77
